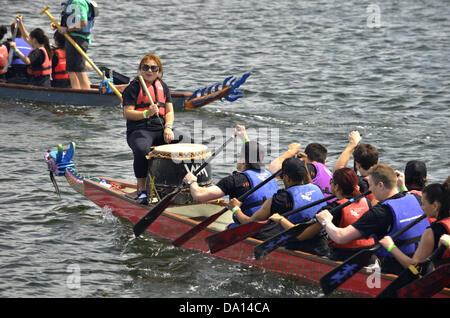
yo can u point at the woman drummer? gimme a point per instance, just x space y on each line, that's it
147 125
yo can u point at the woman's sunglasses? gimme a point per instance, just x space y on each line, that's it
153 68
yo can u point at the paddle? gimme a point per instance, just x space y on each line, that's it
80 50
277 240
199 227
412 273
336 277
428 285
11 49
221 240
158 209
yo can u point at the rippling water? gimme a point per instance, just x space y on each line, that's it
319 69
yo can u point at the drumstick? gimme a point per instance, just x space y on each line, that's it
145 88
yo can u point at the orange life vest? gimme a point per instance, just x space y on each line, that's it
59 70
3 59
446 223
143 102
44 69
350 214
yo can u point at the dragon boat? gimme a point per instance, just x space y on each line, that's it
99 95
120 198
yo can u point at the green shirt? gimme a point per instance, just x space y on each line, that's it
81 15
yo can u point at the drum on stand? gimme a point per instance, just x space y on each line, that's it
168 164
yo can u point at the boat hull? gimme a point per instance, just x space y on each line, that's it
75 97
171 224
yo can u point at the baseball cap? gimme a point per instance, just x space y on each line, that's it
294 168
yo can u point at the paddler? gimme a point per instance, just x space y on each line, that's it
344 186
39 59
315 156
394 211
298 191
3 54
435 204
17 71
365 156
250 172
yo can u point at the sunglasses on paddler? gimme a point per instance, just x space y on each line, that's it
153 68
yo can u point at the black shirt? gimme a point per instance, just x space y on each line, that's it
234 185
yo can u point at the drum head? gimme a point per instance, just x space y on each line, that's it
181 152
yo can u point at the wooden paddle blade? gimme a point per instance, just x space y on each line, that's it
336 277
280 239
153 214
428 285
224 239
198 228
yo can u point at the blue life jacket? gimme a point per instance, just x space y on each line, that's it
93 12
24 48
404 211
301 196
255 200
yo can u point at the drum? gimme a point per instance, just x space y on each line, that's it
168 164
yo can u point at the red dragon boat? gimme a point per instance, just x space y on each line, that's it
118 196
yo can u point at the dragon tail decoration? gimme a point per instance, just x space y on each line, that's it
227 90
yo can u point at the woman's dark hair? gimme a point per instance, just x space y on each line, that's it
3 31
348 181
253 154
60 40
440 193
40 36
296 170
415 175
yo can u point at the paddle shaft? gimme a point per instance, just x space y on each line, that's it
271 244
156 211
80 50
336 277
199 227
234 235
11 49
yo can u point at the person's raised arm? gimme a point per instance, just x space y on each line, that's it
293 149
353 140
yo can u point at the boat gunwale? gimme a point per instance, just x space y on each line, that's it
95 89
